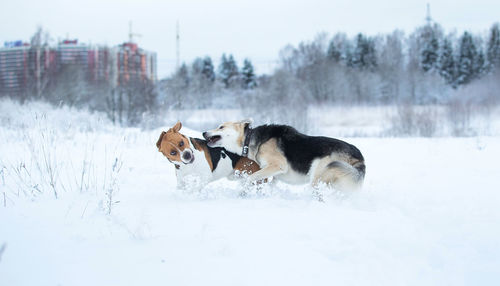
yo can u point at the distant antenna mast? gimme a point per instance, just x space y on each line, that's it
428 18
131 34
177 47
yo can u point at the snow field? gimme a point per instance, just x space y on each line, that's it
428 215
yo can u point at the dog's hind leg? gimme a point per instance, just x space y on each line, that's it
340 175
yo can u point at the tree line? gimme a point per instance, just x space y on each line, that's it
424 67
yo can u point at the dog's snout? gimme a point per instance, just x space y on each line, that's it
186 156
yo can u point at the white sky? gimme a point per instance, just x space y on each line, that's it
255 29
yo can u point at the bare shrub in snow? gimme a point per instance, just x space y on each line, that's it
403 123
426 122
459 114
58 156
43 147
413 120
110 184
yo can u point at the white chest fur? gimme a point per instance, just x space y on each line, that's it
198 173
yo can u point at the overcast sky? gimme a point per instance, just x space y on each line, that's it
256 29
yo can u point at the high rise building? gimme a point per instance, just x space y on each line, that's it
134 63
24 67
13 65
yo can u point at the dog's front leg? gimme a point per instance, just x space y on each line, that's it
272 161
183 181
266 172
181 184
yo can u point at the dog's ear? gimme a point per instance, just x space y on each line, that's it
158 143
177 126
247 121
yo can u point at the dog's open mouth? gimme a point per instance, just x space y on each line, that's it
213 139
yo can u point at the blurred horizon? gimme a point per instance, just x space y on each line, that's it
217 27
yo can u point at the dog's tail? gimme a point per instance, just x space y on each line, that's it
347 176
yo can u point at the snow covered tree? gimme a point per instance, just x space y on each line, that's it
196 67
182 75
208 69
390 67
340 50
39 77
480 64
228 71
223 66
333 53
446 63
430 51
203 71
466 59
234 73
177 87
347 54
493 49
364 54
247 75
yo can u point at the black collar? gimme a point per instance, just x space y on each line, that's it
248 135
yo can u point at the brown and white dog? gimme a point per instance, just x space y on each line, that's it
195 161
290 156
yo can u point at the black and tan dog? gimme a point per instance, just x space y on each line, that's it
287 155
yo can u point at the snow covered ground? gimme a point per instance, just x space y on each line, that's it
428 215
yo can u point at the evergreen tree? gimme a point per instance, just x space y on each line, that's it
429 57
371 55
333 53
208 69
480 65
234 73
196 67
224 70
446 63
357 55
247 75
466 59
183 76
493 50
228 70
347 54
364 54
